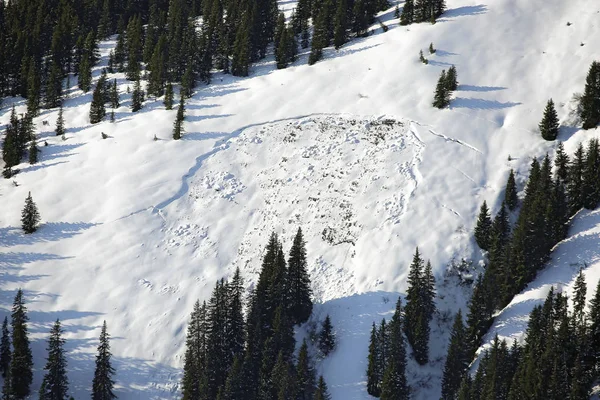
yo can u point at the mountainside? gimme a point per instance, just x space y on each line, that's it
135 230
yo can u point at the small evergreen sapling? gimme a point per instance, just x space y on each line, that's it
442 94
327 337
422 58
30 217
431 49
549 124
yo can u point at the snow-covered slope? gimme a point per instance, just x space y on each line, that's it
135 230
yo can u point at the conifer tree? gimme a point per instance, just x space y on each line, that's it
241 50
549 124
84 81
134 47
322 393
432 51
374 367
591 175
168 100
298 282
579 293
451 78
407 16
483 227
97 109
21 365
30 217
114 95
188 82
327 337
575 182
5 353
53 91
10 148
510 193
594 328
457 360
103 384
442 95
137 97
590 101
55 383
156 81
394 385
418 309
178 126
60 123
33 88
340 24
305 374
561 163
319 40
33 152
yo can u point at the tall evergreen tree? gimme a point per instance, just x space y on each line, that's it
483 227
561 163
457 360
305 374
5 352
374 367
103 384
97 109
55 383
340 24
394 385
549 124
30 216
33 152
114 95
137 97
327 337
22 362
407 16
322 393
178 129
168 100
442 95
452 79
60 123
319 40
298 282
590 101
418 309
194 382
510 193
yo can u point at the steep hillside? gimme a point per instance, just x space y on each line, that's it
135 230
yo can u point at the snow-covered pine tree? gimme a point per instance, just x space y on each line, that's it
327 337
408 13
56 382
5 352
30 216
21 364
103 384
549 124
483 227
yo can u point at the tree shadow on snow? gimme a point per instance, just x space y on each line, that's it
480 104
47 232
204 135
473 88
54 151
465 11
40 165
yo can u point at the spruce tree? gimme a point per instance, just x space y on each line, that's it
457 360
510 192
549 124
442 95
561 163
137 97
394 385
305 374
451 78
407 16
594 328
114 95
418 310
178 129
60 123
340 24
97 109
168 101
30 216
322 393
5 353
103 384
327 337
298 282
483 227
374 367
319 40
55 384
194 383
33 88
22 362
33 152
575 180
590 101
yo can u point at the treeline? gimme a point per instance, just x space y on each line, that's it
558 360
16 361
386 368
231 357
516 254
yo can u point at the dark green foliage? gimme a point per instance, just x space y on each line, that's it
457 359
510 193
451 77
134 47
590 101
137 97
394 385
168 100
422 58
561 163
188 82
103 384
575 180
374 367
33 88
11 153
442 94
327 337
114 95
60 123
53 91
97 109
319 40
22 362
178 129
419 308
483 227
5 353
299 291
33 152
55 384
194 380
340 24
549 124
408 13
432 51
30 216
591 175
305 374
322 393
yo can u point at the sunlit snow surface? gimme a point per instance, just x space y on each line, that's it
135 230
